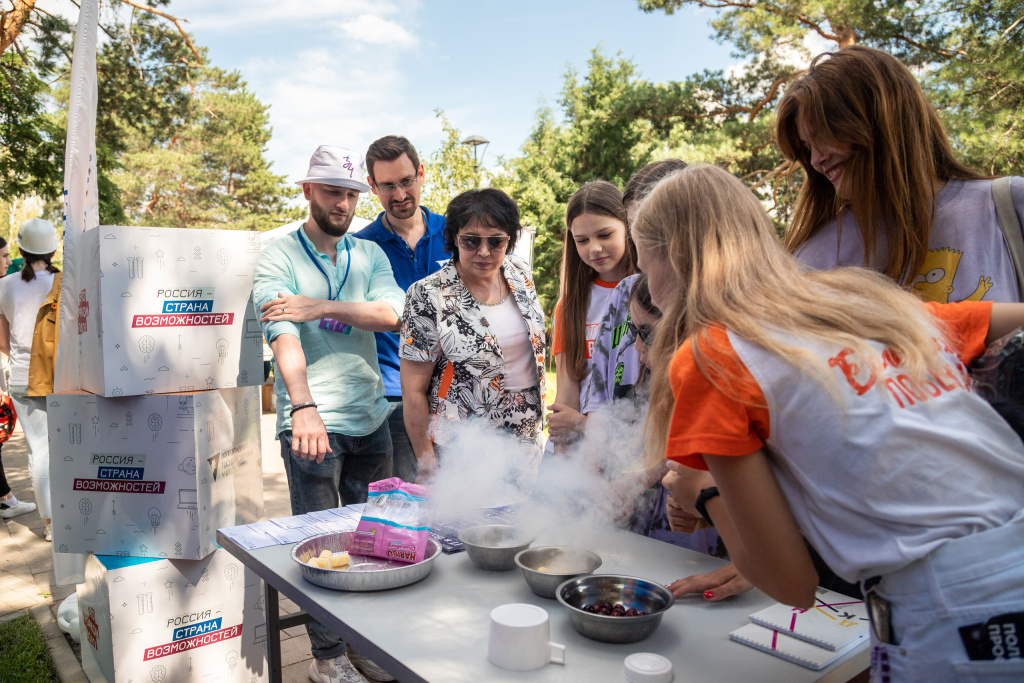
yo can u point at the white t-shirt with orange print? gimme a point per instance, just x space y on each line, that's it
882 479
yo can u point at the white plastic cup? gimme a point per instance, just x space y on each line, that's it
519 638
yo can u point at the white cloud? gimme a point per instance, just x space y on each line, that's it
376 30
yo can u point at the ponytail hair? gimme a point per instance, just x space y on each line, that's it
28 273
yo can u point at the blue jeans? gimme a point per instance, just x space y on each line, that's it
404 459
341 479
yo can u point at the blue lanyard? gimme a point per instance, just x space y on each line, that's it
320 266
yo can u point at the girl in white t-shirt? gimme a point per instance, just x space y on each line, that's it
598 254
883 188
834 406
21 295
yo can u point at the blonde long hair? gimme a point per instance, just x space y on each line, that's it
733 272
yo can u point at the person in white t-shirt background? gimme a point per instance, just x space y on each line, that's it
883 188
10 506
834 406
21 295
598 254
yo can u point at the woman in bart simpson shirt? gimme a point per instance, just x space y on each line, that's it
832 406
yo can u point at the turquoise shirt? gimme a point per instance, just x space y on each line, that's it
341 368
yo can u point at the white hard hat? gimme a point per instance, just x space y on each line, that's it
37 236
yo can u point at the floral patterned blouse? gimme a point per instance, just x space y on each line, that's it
445 325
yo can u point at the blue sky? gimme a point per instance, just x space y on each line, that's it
348 71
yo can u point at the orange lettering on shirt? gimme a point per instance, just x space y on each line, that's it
850 370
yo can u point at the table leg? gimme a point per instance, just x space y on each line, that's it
273 633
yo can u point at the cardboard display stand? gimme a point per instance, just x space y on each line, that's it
167 310
153 476
162 620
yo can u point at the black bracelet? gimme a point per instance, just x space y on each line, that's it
702 501
299 406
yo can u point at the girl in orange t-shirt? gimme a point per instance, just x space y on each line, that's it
834 406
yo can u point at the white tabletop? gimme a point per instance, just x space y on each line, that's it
436 630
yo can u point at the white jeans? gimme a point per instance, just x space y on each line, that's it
964 582
32 418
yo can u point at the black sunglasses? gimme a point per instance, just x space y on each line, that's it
644 332
473 242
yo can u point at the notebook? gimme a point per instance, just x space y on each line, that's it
791 649
833 623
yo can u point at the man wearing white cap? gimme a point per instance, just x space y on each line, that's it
322 294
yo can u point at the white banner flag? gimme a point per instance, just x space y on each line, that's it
81 202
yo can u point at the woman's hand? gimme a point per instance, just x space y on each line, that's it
294 308
684 485
717 585
426 467
565 425
680 520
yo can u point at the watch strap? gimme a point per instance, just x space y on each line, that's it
702 501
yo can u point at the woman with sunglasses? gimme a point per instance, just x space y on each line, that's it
473 338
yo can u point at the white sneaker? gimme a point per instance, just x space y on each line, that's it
49 533
370 669
337 670
13 511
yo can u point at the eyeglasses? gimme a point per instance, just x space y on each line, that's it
473 242
391 188
644 332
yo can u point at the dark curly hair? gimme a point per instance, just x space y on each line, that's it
490 207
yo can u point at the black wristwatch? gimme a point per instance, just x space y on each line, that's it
702 501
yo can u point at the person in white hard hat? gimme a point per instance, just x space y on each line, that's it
322 294
21 296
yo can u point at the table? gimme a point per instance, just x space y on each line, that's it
436 630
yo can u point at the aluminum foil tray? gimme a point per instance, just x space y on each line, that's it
365 573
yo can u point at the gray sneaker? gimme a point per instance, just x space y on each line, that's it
337 670
370 669
14 510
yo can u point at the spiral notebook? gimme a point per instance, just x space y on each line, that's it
785 646
833 623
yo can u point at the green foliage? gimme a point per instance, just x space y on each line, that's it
24 657
178 143
31 143
598 138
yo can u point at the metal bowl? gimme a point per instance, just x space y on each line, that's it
547 567
365 573
494 546
640 594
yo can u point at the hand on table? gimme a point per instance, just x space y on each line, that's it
564 424
717 585
309 436
294 308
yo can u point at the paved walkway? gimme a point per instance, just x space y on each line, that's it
26 563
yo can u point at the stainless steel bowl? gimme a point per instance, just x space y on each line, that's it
629 591
365 573
546 567
494 546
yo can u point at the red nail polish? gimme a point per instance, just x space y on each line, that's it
709 595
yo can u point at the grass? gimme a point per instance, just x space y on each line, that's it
24 657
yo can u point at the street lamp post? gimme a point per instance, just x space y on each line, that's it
475 141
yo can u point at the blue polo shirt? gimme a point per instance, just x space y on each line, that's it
408 266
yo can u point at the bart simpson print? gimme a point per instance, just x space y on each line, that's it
935 282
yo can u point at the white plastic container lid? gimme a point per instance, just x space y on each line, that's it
647 667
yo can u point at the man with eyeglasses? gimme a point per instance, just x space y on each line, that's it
413 239
322 294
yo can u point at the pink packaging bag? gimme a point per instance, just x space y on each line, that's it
396 522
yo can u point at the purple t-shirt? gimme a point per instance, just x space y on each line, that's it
967 258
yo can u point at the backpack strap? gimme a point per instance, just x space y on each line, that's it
1010 224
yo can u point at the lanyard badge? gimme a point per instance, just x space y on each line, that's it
330 324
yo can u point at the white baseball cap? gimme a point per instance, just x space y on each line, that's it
332 165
